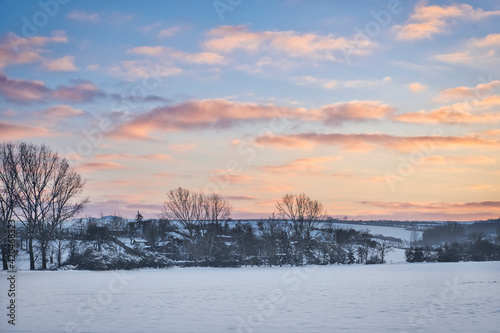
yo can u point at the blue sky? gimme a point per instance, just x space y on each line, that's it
380 109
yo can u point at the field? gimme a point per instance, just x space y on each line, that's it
445 297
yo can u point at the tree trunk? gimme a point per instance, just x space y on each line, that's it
4 257
32 255
43 246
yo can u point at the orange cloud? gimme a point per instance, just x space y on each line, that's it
15 50
427 21
10 131
436 206
368 142
229 39
152 157
337 113
22 90
140 69
98 166
181 148
209 58
220 114
454 160
64 64
310 165
478 92
451 114
82 92
490 40
417 87
61 111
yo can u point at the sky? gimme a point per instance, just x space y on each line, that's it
378 109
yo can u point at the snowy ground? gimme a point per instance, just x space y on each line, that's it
437 297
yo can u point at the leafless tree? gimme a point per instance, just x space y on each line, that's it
383 248
8 186
200 217
217 212
45 186
304 216
187 208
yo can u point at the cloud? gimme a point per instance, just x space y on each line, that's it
99 166
329 84
61 111
16 50
10 131
198 114
489 40
82 92
369 142
84 17
181 148
231 39
209 58
312 165
64 64
427 21
417 87
139 69
223 114
478 92
149 157
454 160
22 91
336 114
240 197
482 53
223 177
435 206
169 32
450 114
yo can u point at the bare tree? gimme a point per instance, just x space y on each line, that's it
45 186
217 212
304 215
383 248
8 186
200 217
187 208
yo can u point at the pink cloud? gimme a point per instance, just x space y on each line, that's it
369 142
16 50
84 17
338 113
311 165
62 111
451 114
427 21
99 166
417 87
22 90
220 114
82 92
229 39
64 64
478 92
10 131
454 160
209 58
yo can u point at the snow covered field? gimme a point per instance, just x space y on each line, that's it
438 297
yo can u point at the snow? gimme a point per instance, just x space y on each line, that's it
435 297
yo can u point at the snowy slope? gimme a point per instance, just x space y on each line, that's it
444 297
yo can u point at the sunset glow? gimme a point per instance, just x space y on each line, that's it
380 109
